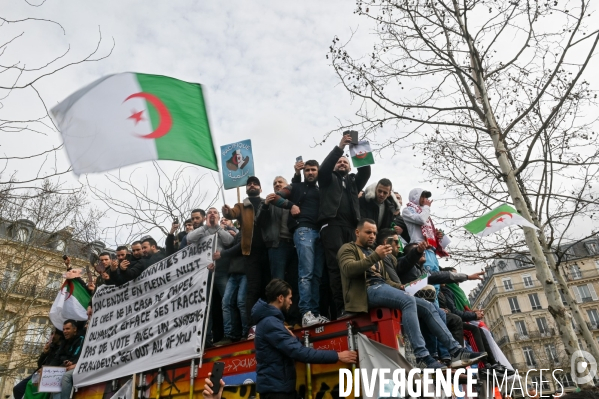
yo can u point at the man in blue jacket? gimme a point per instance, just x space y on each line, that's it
277 348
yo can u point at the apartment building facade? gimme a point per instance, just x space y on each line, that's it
516 311
31 274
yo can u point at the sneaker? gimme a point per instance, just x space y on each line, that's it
461 358
224 341
252 332
309 319
322 319
429 362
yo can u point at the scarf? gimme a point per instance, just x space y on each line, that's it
429 232
461 300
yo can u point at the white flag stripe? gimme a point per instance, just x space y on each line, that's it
126 391
515 220
96 127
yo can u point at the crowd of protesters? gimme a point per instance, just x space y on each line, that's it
340 245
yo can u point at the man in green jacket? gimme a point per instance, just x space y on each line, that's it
366 285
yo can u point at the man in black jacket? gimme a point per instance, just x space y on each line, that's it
447 301
410 268
47 358
378 205
68 356
339 211
303 202
152 254
119 266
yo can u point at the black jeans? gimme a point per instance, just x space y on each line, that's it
333 237
481 341
455 326
257 272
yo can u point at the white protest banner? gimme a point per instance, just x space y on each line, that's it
150 322
51 379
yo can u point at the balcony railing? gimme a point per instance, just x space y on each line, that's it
503 340
33 348
534 335
523 366
501 289
6 346
582 274
32 291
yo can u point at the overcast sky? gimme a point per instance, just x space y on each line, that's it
262 63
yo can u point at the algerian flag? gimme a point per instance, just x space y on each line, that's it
127 118
361 154
70 303
497 219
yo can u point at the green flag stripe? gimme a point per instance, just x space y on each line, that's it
189 139
367 160
80 293
478 225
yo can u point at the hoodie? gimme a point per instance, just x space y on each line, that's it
277 350
413 219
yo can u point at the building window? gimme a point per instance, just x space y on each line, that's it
551 353
527 280
11 275
61 245
544 384
514 306
592 248
542 325
507 284
38 332
593 317
563 296
534 301
519 263
575 272
501 264
566 380
54 281
585 293
521 327
7 324
22 235
529 356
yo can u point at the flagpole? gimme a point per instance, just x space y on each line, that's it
214 146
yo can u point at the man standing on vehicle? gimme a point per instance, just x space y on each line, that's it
339 211
277 348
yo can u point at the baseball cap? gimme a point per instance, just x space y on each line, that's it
253 179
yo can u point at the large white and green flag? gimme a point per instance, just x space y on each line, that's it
497 219
70 303
127 118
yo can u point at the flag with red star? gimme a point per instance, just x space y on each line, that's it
497 219
128 118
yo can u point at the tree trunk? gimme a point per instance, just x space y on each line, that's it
556 308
